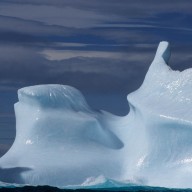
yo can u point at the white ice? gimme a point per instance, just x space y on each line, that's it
61 141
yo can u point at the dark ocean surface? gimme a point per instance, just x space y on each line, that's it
108 185
55 189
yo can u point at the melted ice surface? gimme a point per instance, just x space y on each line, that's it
61 141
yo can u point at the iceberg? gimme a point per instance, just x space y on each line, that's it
60 141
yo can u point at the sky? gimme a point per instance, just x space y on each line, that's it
101 47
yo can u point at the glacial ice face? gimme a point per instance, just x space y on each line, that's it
61 141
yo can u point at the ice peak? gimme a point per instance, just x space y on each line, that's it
163 52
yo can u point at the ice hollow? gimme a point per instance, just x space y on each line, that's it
61 141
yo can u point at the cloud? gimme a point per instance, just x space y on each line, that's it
19 63
23 26
26 66
103 71
67 54
101 45
39 35
85 14
121 7
126 9
50 15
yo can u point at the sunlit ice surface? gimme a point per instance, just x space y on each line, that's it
60 141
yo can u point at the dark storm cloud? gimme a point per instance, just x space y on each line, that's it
51 15
83 13
16 30
136 7
26 66
105 46
19 25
